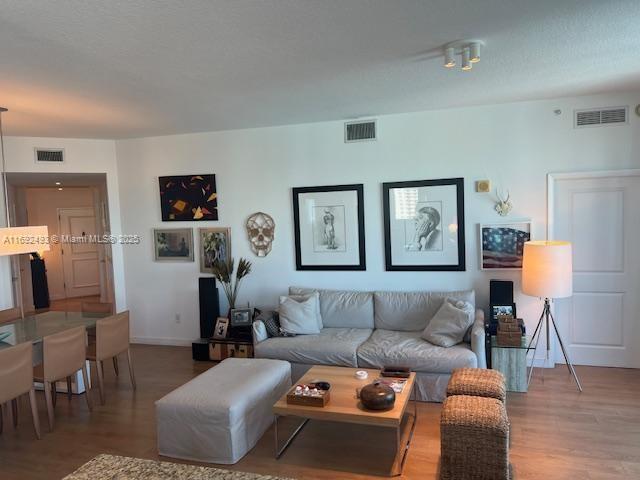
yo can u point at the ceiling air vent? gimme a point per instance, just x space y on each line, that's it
603 116
360 131
49 155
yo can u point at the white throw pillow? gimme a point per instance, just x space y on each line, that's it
301 297
449 325
299 317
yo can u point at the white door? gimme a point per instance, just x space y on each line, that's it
79 257
600 215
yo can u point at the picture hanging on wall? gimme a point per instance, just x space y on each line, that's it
502 244
424 225
329 227
188 198
215 246
173 244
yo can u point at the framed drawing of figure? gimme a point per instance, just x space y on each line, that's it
424 225
329 227
215 246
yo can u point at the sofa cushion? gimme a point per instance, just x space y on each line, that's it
299 314
412 311
342 309
450 324
389 347
332 346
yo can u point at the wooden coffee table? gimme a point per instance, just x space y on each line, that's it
344 406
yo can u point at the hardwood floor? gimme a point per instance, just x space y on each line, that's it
557 433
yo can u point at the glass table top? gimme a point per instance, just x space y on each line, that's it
526 339
33 328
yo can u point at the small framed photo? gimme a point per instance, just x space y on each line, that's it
329 227
173 244
241 317
215 246
222 325
509 310
502 244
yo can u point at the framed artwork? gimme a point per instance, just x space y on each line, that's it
215 246
173 244
241 317
502 244
329 227
424 225
222 325
188 198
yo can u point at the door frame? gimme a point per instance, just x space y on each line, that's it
95 218
556 354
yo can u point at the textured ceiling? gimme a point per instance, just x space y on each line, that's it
131 68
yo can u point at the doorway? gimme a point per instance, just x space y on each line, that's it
74 208
597 212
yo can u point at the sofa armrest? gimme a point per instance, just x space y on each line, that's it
478 339
259 332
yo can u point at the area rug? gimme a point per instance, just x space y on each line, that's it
111 467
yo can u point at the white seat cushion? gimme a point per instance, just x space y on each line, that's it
388 347
332 346
221 414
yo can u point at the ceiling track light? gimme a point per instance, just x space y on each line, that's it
469 51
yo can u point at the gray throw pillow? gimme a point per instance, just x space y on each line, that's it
301 297
449 325
299 317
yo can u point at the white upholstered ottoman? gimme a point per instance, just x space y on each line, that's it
221 414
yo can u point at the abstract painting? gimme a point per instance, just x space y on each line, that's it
502 245
215 246
188 198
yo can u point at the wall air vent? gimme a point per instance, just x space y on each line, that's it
49 155
360 131
602 116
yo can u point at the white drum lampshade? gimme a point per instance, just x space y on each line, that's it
17 240
547 269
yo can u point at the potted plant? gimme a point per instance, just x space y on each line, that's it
223 272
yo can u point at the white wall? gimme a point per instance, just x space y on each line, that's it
81 156
514 145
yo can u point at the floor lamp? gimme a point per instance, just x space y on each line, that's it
547 272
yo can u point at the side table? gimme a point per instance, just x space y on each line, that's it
511 361
217 349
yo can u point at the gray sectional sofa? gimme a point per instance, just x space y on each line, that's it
374 329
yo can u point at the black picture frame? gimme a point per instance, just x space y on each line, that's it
359 189
460 266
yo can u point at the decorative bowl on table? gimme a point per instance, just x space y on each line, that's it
377 396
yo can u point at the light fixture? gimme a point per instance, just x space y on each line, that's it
60 189
547 272
18 240
466 62
58 183
449 57
474 52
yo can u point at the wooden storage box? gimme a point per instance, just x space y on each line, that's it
509 338
320 401
220 351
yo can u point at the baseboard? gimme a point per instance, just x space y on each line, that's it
174 342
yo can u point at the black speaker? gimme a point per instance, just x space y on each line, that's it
200 350
500 292
209 305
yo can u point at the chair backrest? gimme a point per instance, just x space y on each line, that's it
16 371
112 335
96 307
64 353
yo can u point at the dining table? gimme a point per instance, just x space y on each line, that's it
33 328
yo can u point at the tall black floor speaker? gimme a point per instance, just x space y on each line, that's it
209 306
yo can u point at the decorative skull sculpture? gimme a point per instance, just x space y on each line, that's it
261 231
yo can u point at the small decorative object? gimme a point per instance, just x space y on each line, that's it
396 371
241 317
311 395
424 225
329 227
483 186
502 245
261 231
188 198
173 244
362 375
504 205
215 247
377 396
222 324
223 271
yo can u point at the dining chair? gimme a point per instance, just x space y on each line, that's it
98 307
63 355
112 339
16 379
